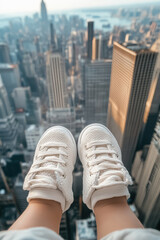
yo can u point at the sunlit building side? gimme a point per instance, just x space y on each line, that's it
132 72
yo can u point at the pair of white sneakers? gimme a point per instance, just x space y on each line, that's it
104 176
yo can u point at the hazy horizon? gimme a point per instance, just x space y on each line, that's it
31 6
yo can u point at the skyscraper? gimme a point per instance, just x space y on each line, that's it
132 72
56 81
148 195
96 48
97 82
152 104
53 40
10 77
90 38
29 68
4 53
44 12
8 125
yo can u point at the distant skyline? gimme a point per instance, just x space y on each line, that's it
19 6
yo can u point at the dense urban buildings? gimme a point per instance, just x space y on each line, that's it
73 68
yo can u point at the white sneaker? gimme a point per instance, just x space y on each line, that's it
50 176
104 174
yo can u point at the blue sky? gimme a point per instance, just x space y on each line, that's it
18 6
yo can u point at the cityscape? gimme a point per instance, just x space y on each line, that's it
74 68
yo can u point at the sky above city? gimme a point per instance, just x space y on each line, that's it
20 6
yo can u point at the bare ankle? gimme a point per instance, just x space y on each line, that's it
46 202
111 201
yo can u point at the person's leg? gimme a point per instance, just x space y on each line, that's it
40 213
114 214
49 181
105 180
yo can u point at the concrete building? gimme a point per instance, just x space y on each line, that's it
132 72
97 48
62 117
28 66
34 113
146 171
86 229
20 194
8 125
152 104
21 97
90 38
33 134
4 53
10 77
56 81
97 83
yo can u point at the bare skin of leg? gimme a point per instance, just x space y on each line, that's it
40 213
114 214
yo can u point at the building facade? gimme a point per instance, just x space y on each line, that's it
146 171
97 83
90 38
8 124
131 77
56 81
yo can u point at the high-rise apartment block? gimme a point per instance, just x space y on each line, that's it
56 81
97 83
131 77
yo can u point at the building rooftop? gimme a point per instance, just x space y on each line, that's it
86 229
136 47
6 66
3 44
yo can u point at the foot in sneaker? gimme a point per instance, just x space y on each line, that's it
104 174
50 176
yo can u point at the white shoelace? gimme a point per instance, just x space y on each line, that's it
46 169
103 162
